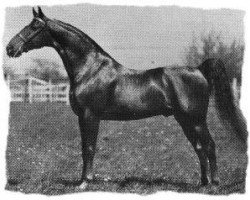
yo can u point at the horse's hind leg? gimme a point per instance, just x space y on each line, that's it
196 132
89 126
211 157
208 145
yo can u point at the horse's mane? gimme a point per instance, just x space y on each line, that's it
81 35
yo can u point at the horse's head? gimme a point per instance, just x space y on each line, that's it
33 36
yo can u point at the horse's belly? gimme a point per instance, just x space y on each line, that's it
137 103
128 115
132 111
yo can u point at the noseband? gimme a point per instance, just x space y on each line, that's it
25 40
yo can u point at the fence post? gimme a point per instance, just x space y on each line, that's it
8 85
67 95
8 81
50 91
235 90
30 89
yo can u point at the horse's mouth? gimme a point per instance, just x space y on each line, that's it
17 53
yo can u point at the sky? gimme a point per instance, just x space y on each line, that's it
137 37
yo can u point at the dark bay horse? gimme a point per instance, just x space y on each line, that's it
103 89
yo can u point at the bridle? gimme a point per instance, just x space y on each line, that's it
26 40
56 45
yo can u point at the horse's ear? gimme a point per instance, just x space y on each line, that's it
34 12
40 12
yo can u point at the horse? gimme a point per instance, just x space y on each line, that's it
103 89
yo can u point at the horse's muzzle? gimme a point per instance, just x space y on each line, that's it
12 52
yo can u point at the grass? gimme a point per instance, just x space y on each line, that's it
144 156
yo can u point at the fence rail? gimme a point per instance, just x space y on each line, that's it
31 90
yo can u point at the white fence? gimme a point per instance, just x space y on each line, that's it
31 90
236 91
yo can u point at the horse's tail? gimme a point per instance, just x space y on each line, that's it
215 73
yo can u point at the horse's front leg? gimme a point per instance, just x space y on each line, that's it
89 126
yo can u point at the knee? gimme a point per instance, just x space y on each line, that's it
87 114
198 129
198 146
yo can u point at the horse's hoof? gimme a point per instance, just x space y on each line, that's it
204 182
215 182
106 179
83 185
90 177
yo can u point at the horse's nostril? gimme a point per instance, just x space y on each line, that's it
9 49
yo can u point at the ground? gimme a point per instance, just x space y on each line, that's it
144 156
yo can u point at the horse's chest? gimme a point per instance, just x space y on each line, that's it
91 97
73 102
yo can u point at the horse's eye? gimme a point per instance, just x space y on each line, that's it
36 24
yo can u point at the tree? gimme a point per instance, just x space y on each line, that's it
47 70
193 55
8 71
211 46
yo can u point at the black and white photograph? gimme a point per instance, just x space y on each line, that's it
125 99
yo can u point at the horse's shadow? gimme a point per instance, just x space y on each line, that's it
128 181
156 182
68 183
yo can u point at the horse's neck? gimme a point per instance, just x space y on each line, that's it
72 49
66 60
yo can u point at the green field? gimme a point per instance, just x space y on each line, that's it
43 154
